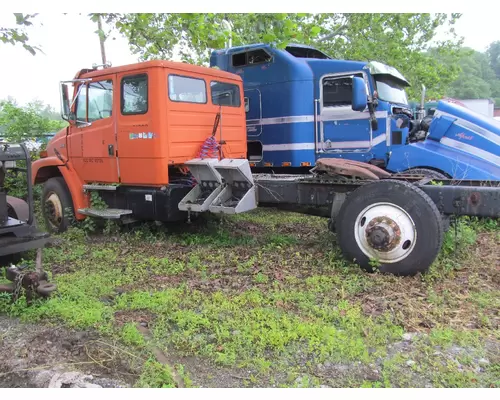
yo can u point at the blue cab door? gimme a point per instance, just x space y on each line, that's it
253 110
344 132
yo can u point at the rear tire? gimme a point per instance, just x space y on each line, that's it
57 205
392 222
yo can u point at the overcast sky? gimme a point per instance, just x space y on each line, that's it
69 44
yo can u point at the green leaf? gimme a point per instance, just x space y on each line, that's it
19 18
30 49
268 38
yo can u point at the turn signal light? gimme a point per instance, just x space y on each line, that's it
43 154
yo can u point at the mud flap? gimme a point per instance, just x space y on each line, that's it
238 194
209 185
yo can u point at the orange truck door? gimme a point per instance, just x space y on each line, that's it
93 145
139 142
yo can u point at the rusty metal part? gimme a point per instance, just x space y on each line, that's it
6 288
336 166
28 281
11 273
54 209
32 282
19 207
383 234
45 288
481 201
18 285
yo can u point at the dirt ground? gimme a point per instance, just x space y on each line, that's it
41 356
262 300
51 356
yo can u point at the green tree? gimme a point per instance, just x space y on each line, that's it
18 35
477 79
45 110
400 40
22 124
493 54
27 123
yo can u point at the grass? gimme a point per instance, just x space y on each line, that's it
266 297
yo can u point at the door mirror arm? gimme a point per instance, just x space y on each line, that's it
372 105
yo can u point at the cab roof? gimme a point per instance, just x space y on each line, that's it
173 65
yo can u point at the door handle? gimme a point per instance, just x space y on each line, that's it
111 150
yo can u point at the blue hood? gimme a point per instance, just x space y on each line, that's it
466 131
460 142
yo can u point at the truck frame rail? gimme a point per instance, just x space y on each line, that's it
394 221
467 198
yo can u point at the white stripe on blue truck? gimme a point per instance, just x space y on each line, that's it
467 148
356 144
327 116
281 120
492 137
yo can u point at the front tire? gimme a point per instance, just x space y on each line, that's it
430 173
57 205
393 224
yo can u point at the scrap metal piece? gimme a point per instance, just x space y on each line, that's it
33 283
336 166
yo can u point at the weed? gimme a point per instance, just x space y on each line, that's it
261 278
131 336
156 375
253 292
459 238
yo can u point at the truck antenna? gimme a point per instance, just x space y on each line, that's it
421 111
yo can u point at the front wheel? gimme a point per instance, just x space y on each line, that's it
392 226
57 205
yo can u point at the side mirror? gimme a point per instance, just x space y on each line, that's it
247 104
359 97
65 108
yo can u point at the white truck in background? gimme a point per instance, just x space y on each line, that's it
482 106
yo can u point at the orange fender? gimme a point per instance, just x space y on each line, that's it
46 168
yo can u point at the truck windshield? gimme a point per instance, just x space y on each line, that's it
390 90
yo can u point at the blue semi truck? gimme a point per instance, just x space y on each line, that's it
299 108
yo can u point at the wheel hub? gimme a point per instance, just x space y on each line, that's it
54 209
383 233
386 232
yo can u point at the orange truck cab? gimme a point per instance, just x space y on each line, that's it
132 129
